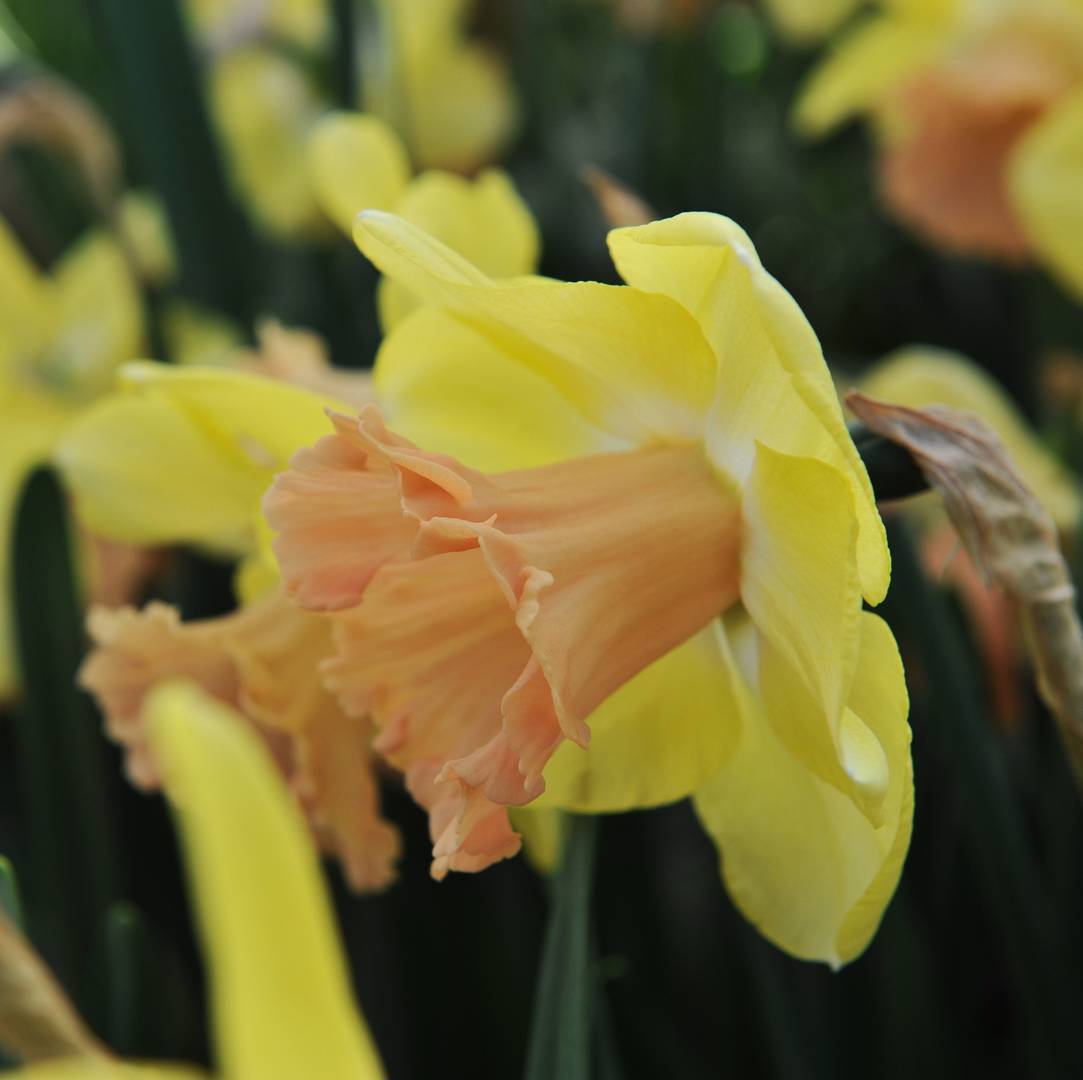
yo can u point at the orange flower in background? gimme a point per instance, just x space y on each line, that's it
979 116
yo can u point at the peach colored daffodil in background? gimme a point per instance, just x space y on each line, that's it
281 1002
639 577
183 455
978 110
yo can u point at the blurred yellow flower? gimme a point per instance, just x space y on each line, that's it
281 1001
449 99
62 335
672 571
979 115
358 163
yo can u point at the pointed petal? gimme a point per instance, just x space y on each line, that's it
281 994
356 163
638 759
800 861
145 472
1045 178
99 318
773 384
634 364
484 220
25 305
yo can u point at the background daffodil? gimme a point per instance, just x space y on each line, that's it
62 336
979 113
357 162
281 1000
183 455
677 452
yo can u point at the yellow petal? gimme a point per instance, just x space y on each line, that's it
922 375
143 222
356 162
656 740
443 383
773 384
484 220
281 995
632 363
261 421
99 317
449 98
804 865
265 107
25 304
809 20
1046 177
145 472
798 579
866 66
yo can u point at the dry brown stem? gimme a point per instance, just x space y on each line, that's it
37 1021
1010 537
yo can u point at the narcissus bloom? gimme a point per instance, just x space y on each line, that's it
448 98
979 114
62 336
654 588
357 162
280 991
184 455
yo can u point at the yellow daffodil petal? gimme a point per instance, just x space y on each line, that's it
257 573
301 22
866 66
26 310
773 384
798 580
450 98
145 472
634 364
281 994
1046 178
356 162
484 220
635 761
809 20
922 375
265 107
444 383
99 317
543 835
260 420
805 866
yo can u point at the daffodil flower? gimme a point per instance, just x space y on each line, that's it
62 335
979 113
448 98
281 1002
358 163
654 588
184 455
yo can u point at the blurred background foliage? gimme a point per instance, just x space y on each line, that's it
640 967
